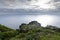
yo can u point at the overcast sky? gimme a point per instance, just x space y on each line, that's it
41 6
30 4
14 7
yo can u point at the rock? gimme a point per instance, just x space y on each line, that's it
35 24
30 25
51 27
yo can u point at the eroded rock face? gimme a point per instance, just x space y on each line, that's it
34 24
30 25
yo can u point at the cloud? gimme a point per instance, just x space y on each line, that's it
30 4
33 6
56 3
14 4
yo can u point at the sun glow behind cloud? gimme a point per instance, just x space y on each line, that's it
43 4
29 4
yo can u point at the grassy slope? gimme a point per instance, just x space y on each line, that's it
33 34
38 34
6 32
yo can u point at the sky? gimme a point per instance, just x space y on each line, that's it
30 4
11 10
41 6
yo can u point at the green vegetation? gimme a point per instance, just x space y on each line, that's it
30 31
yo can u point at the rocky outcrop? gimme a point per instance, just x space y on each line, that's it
30 25
51 27
34 24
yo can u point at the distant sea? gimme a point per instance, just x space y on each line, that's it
13 21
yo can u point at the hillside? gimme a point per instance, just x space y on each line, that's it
31 31
7 33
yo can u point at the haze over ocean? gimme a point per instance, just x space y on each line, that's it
13 21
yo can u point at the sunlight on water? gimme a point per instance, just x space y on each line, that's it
45 19
13 21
